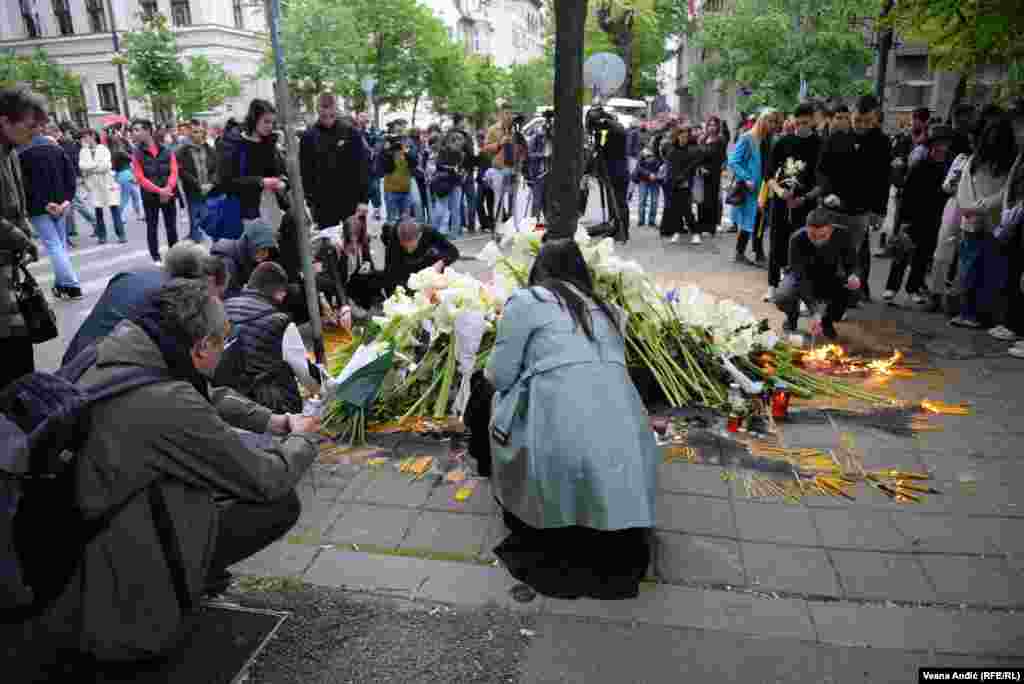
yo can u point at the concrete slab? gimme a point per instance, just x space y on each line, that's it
694 514
447 533
382 526
946 534
691 559
871 575
978 581
368 572
705 609
787 568
386 485
278 560
692 479
442 498
463 584
857 527
775 522
924 629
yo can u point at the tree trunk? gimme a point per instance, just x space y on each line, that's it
415 106
627 57
563 188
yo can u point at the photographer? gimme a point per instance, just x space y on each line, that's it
506 144
448 180
397 165
609 143
539 161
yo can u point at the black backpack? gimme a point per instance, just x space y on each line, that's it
44 421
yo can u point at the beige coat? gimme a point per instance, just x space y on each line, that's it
983 192
98 176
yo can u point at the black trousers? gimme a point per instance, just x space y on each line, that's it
918 259
811 290
677 211
19 359
785 222
485 206
247 528
170 213
620 186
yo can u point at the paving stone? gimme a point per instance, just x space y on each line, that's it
663 604
925 629
787 568
358 483
858 528
447 533
867 574
686 558
464 584
383 526
278 560
775 522
692 479
803 435
368 572
695 514
442 498
493 536
1008 534
946 534
983 581
388 486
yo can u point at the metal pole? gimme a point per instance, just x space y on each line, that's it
884 45
125 108
284 107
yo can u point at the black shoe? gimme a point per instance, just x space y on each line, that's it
760 261
742 259
790 325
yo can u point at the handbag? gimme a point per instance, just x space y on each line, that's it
224 211
39 317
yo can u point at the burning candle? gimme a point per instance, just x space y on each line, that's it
780 403
734 423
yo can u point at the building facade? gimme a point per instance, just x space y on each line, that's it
508 31
79 35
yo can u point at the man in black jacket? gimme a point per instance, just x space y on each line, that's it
335 166
197 166
822 274
412 247
853 172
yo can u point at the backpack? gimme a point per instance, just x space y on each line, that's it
44 421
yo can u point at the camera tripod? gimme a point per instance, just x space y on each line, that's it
597 171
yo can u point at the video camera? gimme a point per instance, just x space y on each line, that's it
393 141
598 119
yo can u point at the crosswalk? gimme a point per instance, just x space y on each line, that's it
94 265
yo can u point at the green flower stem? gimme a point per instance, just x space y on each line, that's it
441 407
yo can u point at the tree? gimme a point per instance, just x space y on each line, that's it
151 56
44 76
767 46
482 86
964 35
206 85
529 86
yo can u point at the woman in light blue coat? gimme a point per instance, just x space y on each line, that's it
574 456
745 163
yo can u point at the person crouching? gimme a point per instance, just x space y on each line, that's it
265 357
822 274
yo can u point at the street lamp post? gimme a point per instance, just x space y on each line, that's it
125 108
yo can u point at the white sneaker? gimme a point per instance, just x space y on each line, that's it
804 310
769 295
1001 332
695 240
674 239
888 295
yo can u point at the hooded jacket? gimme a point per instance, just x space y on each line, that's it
335 167
239 256
48 174
173 436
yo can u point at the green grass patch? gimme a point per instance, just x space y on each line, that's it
425 554
253 583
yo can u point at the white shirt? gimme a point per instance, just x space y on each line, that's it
293 351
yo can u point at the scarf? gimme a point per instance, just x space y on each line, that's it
173 344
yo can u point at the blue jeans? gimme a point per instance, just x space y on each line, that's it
445 208
375 193
398 204
984 269
196 217
648 203
53 233
469 206
101 226
130 193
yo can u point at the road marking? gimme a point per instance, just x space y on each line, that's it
74 253
94 265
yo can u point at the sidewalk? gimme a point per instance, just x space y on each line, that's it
945 576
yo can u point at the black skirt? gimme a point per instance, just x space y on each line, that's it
576 562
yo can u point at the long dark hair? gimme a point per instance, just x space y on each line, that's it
997 148
560 268
257 108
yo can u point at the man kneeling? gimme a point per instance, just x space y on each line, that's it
265 354
822 267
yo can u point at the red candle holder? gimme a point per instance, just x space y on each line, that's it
780 403
733 425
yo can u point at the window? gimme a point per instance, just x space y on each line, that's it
63 14
97 17
914 96
31 22
181 15
148 9
239 14
108 97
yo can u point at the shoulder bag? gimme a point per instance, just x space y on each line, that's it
39 317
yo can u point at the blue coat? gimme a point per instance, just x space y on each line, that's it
580 449
745 164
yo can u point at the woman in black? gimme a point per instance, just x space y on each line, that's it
709 208
683 159
249 161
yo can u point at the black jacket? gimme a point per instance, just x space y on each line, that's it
48 175
923 202
836 259
855 167
400 265
806 150
187 171
647 170
683 162
262 160
335 165
239 258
